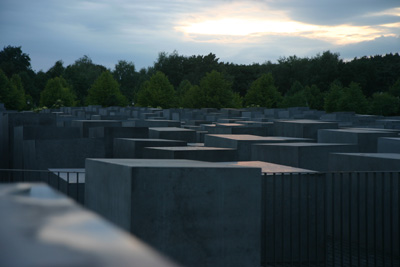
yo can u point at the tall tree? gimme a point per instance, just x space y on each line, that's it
11 92
263 93
216 91
127 78
105 91
57 70
57 92
333 96
157 92
385 104
81 75
353 99
14 61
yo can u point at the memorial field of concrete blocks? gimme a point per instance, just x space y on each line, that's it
199 187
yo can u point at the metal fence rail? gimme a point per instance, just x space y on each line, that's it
71 183
332 219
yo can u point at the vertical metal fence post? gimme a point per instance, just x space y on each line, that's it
366 217
274 218
282 178
263 220
299 218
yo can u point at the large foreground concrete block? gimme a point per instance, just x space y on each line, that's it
199 213
41 227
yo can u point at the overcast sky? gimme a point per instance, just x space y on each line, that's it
241 32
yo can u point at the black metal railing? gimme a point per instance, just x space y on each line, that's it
332 219
71 183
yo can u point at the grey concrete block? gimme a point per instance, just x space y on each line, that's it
243 142
200 214
302 128
84 125
211 154
63 153
108 134
173 133
269 168
364 162
312 156
133 147
151 123
366 139
389 145
22 133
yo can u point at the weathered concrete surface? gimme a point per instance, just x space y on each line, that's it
364 162
133 147
243 142
110 133
173 133
211 154
84 125
366 139
40 227
302 128
270 168
311 156
389 145
199 213
62 153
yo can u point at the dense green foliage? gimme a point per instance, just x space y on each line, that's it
105 92
12 92
157 92
263 93
365 85
57 93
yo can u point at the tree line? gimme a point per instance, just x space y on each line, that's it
367 85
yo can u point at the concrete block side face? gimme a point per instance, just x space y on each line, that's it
108 191
284 155
316 158
388 145
199 216
67 153
327 136
219 141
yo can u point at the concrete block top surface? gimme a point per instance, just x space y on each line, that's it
249 137
359 130
51 230
267 167
395 156
230 125
165 163
170 129
96 121
304 144
190 148
147 140
307 121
